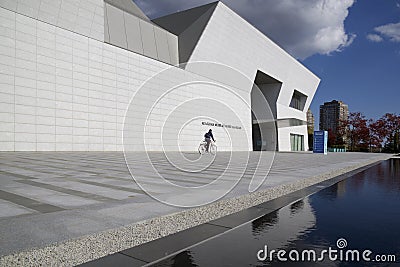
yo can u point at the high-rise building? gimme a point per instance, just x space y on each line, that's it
310 128
330 116
310 121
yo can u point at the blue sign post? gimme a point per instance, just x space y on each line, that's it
320 142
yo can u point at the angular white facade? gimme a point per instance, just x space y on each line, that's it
68 74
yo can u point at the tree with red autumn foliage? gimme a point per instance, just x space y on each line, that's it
357 131
377 133
331 138
391 131
369 135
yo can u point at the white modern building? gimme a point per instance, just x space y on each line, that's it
71 71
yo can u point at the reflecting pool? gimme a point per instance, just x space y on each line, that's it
357 220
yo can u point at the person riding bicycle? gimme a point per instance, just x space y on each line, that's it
208 136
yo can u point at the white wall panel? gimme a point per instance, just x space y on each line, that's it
148 39
133 33
284 136
9 4
81 16
173 49
162 44
116 26
227 29
62 90
7 79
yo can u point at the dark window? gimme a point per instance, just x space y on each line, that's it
298 100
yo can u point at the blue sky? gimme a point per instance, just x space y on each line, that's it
366 74
353 46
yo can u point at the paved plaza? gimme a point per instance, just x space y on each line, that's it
52 197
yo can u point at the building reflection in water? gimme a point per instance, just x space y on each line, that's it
384 176
286 224
184 258
275 229
315 222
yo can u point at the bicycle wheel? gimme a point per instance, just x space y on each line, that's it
202 148
213 149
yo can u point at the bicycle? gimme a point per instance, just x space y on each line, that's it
212 149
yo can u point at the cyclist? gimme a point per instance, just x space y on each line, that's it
208 136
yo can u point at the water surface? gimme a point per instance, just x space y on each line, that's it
363 211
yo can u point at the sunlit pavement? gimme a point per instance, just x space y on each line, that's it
48 197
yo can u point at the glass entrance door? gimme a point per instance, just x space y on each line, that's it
297 142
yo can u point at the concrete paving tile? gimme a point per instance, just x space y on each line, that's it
68 191
9 209
15 175
116 187
62 200
28 202
127 212
62 174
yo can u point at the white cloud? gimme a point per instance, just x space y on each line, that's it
391 31
302 27
374 38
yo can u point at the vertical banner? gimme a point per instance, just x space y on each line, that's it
320 142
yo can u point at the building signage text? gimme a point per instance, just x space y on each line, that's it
221 125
